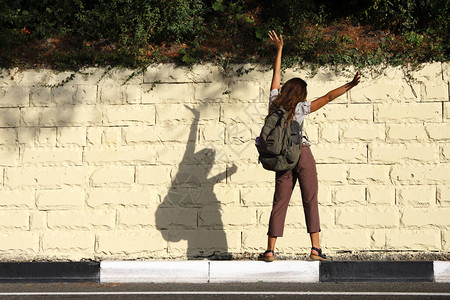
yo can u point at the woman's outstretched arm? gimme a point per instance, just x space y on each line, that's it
319 102
278 42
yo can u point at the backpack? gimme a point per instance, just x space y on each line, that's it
279 142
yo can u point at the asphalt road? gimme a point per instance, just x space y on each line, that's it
226 291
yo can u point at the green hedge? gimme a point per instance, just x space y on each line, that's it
73 33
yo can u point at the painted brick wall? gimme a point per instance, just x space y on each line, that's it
163 165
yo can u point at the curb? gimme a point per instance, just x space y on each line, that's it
226 271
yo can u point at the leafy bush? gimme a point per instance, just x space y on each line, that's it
72 33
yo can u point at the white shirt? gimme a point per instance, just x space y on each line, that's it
301 110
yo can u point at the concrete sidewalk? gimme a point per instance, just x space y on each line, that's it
226 271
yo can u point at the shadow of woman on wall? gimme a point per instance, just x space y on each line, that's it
190 211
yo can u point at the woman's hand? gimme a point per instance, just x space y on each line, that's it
277 41
355 80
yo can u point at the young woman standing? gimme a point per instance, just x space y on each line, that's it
292 97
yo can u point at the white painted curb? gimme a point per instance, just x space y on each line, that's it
254 271
154 271
208 271
441 271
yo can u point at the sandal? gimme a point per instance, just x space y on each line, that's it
264 257
320 256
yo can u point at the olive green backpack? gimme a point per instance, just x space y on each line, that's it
279 142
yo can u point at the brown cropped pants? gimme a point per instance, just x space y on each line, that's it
305 172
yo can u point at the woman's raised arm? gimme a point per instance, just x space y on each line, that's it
319 102
278 42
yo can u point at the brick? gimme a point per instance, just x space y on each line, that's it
139 135
351 239
244 152
60 199
311 131
52 156
27 135
22 241
107 176
94 136
81 219
341 112
383 195
335 174
16 199
166 73
245 91
446 111
10 117
212 133
68 241
80 115
257 196
8 136
47 137
411 112
38 220
403 153
237 133
362 132
445 153
249 72
429 71
423 239
204 242
443 195
419 174
173 113
15 219
61 95
153 175
68 136
162 218
368 174
407 132
416 196
329 134
216 218
9 157
340 153
350 195
438 131
426 217
15 96
252 174
211 92
124 155
85 94
224 194
130 242
436 91
101 197
385 89
45 177
445 240
41 96
252 113
110 92
325 195
132 94
292 241
327 215
363 217
167 93
112 136
128 115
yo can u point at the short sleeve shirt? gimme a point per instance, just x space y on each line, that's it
301 110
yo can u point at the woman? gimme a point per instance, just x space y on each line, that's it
293 98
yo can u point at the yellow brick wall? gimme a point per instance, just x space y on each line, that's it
162 165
